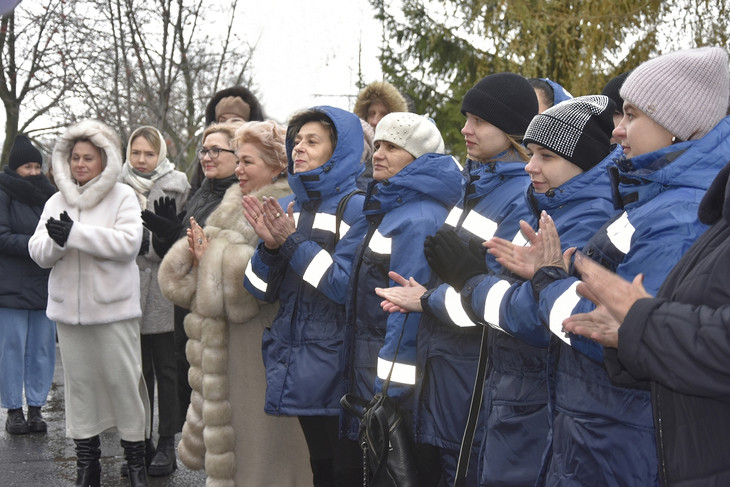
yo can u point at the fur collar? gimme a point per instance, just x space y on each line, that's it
102 136
229 213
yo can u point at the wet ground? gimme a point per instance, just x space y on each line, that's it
49 460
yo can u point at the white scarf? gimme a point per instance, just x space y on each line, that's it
141 182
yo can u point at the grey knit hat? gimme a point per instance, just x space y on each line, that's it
578 129
416 134
686 92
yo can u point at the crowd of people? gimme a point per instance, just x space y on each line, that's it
552 311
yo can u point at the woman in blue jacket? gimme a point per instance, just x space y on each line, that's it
304 262
27 336
414 187
672 153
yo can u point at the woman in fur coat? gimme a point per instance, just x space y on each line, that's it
152 176
89 234
226 430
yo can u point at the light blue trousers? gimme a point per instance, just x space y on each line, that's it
27 357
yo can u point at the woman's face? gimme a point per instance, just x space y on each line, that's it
29 169
376 111
142 155
225 164
483 140
253 173
85 162
548 170
389 159
312 147
638 134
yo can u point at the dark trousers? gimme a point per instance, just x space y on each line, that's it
159 366
335 462
183 386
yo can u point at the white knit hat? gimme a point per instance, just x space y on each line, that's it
686 92
416 134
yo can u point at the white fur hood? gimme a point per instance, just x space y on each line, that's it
102 136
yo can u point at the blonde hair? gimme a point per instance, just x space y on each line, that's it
269 137
226 128
150 134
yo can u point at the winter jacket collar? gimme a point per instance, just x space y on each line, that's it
435 176
483 178
338 175
585 186
692 164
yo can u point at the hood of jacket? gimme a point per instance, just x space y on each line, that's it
338 175
690 164
436 176
103 137
588 185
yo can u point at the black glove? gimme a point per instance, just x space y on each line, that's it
164 221
452 260
58 230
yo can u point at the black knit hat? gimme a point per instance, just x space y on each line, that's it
578 130
23 152
506 100
612 88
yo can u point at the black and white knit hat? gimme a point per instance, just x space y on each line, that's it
506 100
578 129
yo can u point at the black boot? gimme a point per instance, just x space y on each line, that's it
148 456
35 420
164 461
88 468
134 452
16 424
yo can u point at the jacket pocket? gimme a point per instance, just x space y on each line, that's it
112 281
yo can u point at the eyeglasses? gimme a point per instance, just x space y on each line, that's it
214 152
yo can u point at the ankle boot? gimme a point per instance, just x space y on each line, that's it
16 424
134 452
35 420
148 456
164 461
88 468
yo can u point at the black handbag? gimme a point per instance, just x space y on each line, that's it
389 451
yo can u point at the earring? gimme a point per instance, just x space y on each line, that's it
674 139
274 179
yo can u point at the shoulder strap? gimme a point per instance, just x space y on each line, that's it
341 206
467 440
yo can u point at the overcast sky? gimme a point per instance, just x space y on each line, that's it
307 53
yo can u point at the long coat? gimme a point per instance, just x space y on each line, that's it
226 430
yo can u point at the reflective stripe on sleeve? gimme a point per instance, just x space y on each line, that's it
562 308
379 244
620 233
479 225
317 268
454 215
494 302
255 280
520 240
402 373
455 308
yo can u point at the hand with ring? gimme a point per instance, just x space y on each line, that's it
253 210
279 223
197 241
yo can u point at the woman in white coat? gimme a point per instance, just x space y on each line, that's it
89 235
226 430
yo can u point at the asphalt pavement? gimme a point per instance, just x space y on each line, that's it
49 459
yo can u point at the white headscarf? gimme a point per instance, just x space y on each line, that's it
141 182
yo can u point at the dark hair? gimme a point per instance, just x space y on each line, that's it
545 88
298 120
